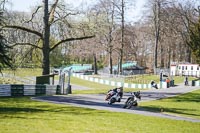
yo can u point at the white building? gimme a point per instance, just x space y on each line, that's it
183 69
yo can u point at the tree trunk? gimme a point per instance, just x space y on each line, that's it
110 62
169 57
45 48
162 61
157 33
188 54
95 63
111 39
122 39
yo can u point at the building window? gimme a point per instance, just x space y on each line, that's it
179 67
191 67
185 67
182 67
198 68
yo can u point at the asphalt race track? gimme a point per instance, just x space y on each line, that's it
96 101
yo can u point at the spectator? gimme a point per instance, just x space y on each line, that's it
186 80
168 82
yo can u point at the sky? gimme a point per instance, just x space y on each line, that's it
24 5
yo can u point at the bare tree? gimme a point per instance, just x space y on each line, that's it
156 11
105 12
122 36
49 20
190 16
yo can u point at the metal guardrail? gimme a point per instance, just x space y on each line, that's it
29 90
196 82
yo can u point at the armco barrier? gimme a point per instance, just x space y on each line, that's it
196 82
5 90
29 90
119 84
17 90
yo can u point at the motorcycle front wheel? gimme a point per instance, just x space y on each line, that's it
128 104
112 100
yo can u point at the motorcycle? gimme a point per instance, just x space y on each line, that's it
114 95
132 100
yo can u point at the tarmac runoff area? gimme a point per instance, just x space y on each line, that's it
96 101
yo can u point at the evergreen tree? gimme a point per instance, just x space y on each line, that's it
5 60
194 41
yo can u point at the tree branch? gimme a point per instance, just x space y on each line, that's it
52 11
25 29
63 18
70 39
33 15
26 55
29 44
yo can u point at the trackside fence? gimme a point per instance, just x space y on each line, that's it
29 90
116 83
196 82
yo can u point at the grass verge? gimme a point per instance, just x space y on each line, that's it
187 105
95 88
22 115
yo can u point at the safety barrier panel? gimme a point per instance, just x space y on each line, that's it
196 82
117 83
29 90
5 90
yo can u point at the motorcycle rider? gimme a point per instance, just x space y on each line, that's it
186 80
153 84
132 100
113 92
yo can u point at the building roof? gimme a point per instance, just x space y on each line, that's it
182 63
135 68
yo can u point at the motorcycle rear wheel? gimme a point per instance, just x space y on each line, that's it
129 103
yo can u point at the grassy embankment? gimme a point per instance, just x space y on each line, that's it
22 115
